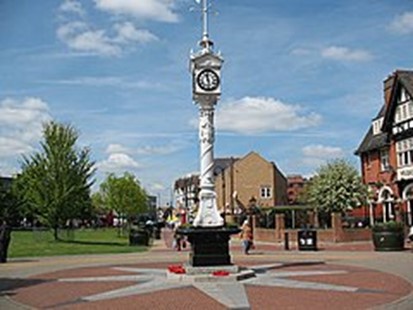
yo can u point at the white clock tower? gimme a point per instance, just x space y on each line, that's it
205 66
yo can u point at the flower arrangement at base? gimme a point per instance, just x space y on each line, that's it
220 273
178 269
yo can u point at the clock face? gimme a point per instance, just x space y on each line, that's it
208 80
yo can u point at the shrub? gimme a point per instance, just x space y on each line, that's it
391 226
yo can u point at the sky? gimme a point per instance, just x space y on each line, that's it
301 80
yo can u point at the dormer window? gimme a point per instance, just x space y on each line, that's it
377 124
403 96
404 109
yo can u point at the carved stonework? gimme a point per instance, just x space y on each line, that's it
206 128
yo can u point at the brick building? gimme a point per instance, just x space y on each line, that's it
295 187
240 179
386 152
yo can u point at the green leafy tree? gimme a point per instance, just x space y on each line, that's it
55 181
123 194
10 208
337 187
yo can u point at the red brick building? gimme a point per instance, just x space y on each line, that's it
386 152
295 184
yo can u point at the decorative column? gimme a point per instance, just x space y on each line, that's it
207 215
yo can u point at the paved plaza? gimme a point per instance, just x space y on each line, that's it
337 276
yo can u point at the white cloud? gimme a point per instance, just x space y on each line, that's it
126 32
117 148
403 23
345 54
7 170
80 37
317 154
158 10
322 151
72 6
105 81
118 162
11 147
157 187
251 115
157 150
21 124
144 150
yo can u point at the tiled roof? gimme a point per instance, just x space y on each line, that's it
406 77
372 142
220 164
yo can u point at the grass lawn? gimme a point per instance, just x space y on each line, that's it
75 242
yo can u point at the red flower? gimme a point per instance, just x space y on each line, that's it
220 273
176 269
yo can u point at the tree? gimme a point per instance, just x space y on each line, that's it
124 195
337 187
10 209
55 182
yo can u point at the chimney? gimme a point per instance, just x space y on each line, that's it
388 86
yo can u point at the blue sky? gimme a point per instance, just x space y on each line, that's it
301 79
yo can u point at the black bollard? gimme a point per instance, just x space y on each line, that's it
286 244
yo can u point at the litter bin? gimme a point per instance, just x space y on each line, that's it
307 240
139 237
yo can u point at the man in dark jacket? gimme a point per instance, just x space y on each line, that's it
5 232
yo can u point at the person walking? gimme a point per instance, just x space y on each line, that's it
5 232
246 237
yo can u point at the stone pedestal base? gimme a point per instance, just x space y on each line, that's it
209 246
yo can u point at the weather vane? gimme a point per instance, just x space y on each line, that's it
205 9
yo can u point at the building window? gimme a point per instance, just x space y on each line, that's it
265 192
404 109
404 149
367 160
377 124
384 160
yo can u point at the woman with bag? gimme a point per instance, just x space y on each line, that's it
246 236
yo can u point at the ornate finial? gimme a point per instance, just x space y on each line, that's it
206 43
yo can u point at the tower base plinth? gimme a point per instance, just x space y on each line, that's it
209 246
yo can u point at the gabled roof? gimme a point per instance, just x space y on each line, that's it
406 78
372 142
220 164
403 78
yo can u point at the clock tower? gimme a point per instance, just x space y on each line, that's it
208 236
205 67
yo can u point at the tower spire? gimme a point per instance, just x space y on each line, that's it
205 43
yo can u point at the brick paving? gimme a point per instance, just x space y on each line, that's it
376 288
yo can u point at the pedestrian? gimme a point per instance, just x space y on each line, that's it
410 235
246 237
177 243
5 232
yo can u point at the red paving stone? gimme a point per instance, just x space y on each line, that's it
64 295
43 291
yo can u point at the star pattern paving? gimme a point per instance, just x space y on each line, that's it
231 294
